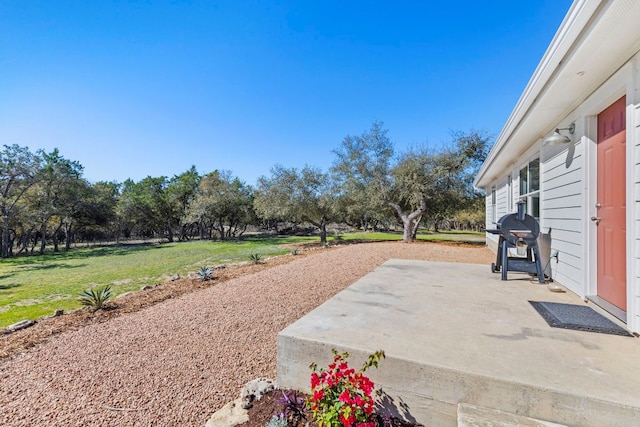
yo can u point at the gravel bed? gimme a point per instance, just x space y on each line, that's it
177 362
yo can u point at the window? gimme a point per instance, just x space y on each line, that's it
509 194
493 205
530 188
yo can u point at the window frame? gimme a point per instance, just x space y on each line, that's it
529 187
494 206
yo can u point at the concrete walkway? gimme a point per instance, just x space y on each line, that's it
456 334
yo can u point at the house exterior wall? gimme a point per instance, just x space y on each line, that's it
634 129
561 205
568 190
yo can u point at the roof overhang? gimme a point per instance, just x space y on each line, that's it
595 39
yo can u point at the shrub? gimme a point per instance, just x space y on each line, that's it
294 408
340 396
96 298
205 273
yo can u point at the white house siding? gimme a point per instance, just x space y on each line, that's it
561 206
501 198
502 204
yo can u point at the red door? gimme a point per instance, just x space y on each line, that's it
612 260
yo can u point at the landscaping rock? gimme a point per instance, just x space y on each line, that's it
229 415
174 278
254 390
20 325
236 412
146 287
58 313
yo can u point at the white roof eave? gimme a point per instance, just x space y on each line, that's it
538 110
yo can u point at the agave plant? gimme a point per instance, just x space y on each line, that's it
205 273
256 258
96 298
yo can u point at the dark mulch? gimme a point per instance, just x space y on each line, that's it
262 411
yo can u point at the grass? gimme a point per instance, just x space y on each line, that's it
35 286
471 237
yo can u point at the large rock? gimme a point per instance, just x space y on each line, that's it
229 415
20 325
254 390
236 412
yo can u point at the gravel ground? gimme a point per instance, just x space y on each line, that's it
177 362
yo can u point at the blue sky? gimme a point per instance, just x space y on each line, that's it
137 88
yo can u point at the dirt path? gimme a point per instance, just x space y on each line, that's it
175 363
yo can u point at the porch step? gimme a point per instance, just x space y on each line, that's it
456 334
478 416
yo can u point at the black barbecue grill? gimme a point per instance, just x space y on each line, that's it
518 231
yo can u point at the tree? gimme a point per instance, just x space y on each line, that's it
18 172
272 198
361 172
314 199
182 190
417 177
304 195
56 190
222 203
89 211
146 208
438 181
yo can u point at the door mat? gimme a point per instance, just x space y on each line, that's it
578 317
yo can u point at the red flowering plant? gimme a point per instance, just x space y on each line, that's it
340 396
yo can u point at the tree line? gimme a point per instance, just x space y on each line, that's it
45 201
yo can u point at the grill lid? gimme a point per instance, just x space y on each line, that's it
519 225
526 228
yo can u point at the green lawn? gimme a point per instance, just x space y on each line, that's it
442 236
35 286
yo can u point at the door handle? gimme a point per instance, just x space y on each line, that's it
596 219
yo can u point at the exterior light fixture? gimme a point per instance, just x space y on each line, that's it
558 139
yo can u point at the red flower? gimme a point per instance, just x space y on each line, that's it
343 393
347 421
315 380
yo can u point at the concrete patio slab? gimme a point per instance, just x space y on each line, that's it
455 333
